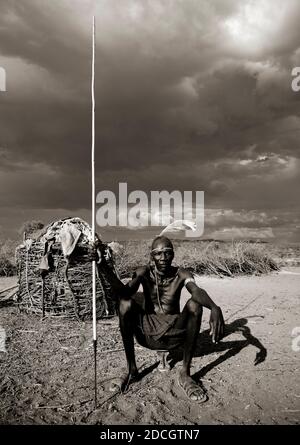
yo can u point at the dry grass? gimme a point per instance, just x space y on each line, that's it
134 254
212 258
227 259
206 257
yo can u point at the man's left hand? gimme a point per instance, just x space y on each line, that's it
216 323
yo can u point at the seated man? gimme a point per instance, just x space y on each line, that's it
159 324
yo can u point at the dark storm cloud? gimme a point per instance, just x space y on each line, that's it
190 95
47 35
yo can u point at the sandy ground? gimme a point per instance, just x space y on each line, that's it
252 376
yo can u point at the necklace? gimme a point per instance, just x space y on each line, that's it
157 290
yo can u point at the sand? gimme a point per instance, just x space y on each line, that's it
252 376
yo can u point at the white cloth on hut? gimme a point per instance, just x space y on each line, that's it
68 237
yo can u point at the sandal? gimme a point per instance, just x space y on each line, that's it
192 389
123 383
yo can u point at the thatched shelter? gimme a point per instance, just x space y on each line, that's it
55 272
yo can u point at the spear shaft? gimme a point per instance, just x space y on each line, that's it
93 217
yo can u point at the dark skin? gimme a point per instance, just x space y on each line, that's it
189 319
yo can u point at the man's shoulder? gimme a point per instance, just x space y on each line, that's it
142 271
184 273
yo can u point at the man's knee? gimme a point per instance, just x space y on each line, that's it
194 307
125 306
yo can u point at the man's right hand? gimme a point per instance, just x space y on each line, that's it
217 325
96 252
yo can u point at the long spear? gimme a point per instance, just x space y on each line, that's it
93 216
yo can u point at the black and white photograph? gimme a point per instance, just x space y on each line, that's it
149 214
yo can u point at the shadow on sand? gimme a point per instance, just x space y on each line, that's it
231 348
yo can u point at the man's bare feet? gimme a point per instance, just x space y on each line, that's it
122 384
193 390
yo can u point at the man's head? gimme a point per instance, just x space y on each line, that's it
162 253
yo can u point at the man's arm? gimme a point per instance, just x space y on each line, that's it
201 296
121 290
137 279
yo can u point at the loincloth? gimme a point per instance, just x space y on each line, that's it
160 332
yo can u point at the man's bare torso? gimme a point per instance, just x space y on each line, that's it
166 300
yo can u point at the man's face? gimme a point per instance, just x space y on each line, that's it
162 255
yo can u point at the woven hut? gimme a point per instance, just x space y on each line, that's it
55 272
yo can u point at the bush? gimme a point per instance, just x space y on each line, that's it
7 269
30 227
8 248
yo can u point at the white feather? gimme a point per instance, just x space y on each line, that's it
179 225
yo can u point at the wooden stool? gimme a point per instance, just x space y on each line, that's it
163 365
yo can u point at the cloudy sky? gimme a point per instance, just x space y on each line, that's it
191 95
